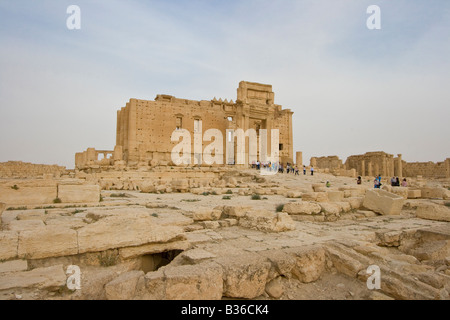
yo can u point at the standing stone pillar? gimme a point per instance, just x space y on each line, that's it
400 166
299 159
369 170
363 168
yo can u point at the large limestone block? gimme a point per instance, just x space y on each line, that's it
244 276
41 278
355 202
383 202
120 232
13 266
197 282
335 196
79 193
124 287
46 242
303 207
434 193
235 211
310 263
414 194
432 211
267 221
28 195
181 185
206 215
8 244
401 191
330 208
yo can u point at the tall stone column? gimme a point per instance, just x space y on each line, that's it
370 170
299 159
363 168
399 166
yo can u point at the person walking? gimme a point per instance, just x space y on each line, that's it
304 170
312 170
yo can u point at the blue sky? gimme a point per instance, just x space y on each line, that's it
352 89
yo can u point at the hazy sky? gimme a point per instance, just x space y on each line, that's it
352 89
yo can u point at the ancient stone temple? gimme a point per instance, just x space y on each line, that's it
145 128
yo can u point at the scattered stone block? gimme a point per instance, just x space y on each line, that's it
267 221
432 211
414 194
302 207
335 196
383 202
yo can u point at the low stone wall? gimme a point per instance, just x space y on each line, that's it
18 169
38 192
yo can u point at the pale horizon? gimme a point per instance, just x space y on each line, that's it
352 90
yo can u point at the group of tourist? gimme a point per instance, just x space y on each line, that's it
395 182
277 166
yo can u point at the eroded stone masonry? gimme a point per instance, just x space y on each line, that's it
128 224
144 128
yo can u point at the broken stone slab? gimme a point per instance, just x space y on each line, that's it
432 211
196 256
47 242
42 278
120 232
133 252
25 225
267 221
124 287
13 266
383 202
9 241
302 207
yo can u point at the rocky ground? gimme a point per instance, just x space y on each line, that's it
283 237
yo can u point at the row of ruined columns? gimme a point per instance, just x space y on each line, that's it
393 168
